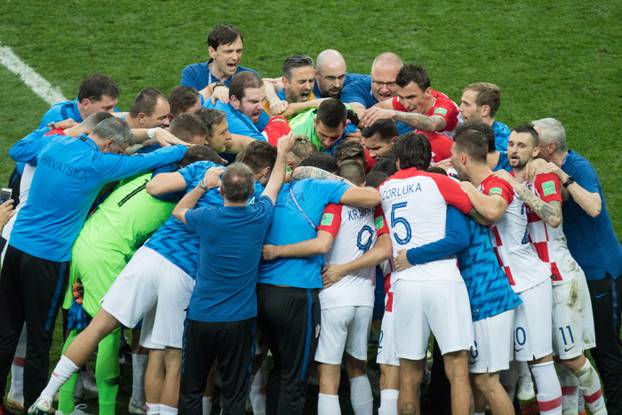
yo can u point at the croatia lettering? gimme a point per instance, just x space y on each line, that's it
64 168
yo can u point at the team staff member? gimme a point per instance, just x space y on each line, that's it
480 102
287 291
331 75
97 93
221 315
225 46
70 172
593 244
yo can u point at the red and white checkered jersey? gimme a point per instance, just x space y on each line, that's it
355 231
550 243
415 205
510 239
387 273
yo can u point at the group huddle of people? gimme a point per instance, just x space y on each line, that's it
251 231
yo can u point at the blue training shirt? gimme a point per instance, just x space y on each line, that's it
502 134
290 226
489 290
503 163
592 241
61 111
238 122
174 240
231 241
198 75
70 173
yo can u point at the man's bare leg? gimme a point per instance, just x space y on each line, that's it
411 376
457 371
490 387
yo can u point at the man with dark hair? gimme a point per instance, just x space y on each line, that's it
287 290
243 109
330 74
496 160
325 126
529 277
432 296
218 135
150 109
223 308
225 45
70 172
191 129
297 92
480 102
422 108
379 137
184 99
350 151
96 93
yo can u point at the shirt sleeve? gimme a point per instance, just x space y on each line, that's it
548 187
331 190
380 222
331 219
198 218
188 77
586 176
397 105
117 166
499 187
452 193
27 149
455 240
354 93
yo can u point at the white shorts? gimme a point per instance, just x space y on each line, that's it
386 342
343 329
152 288
439 306
533 323
573 322
492 351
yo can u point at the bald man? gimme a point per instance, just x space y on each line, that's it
378 87
331 76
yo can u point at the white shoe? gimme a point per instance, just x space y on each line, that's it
136 408
42 406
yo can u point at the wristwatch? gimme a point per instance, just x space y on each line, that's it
568 181
202 185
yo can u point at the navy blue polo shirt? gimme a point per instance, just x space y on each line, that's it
198 75
592 241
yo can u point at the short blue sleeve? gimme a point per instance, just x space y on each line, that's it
331 190
191 76
357 92
198 218
585 175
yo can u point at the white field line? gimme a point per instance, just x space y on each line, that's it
31 78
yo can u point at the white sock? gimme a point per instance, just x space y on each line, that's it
525 391
360 396
570 390
257 393
17 378
479 413
328 404
167 410
581 403
139 365
153 408
388 401
63 371
549 392
591 388
206 405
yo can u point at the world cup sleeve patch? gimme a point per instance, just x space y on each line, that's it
495 191
327 219
379 223
548 188
440 111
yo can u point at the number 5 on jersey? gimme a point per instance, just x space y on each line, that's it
400 220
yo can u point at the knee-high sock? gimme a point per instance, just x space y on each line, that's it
589 383
107 371
570 390
360 396
139 365
17 368
328 404
388 401
549 391
206 405
65 396
257 393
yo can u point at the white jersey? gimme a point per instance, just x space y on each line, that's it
550 243
510 239
415 205
24 187
354 232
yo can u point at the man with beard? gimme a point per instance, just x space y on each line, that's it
331 76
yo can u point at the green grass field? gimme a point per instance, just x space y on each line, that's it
561 59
